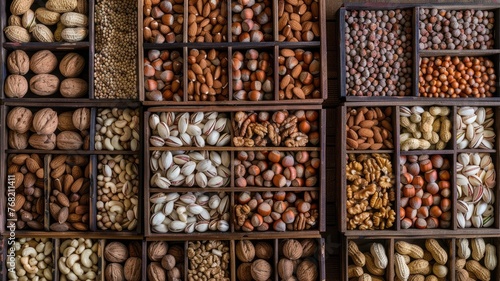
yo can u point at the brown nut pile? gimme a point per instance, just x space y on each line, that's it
207 21
163 21
457 77
253 75
280 128
34 257
299 74
29 206
424 260
276 169
298 20
54 21
115 70
425 191
47 129
369 128
370 192
378 47
441 29
278 211
165 261
207 75
45 79
424 128
203 255
252 21
254 260
123 261
370 262
163 75
297 261
475 258
70 198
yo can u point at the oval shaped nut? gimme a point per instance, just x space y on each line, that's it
156 141
203 165
194 209
201 226
201 179
193 130
197 117
214 202
216 181
182 159
163 129
225 158
173 172
223 140
17 34
177 226
188 198
162 182
46 16
74 34
199 141
72 19
42 33
157 218
209 126
158 198
153 121
213 138
173 141
28 19
470 170
466 111
460 220
166 160
188 168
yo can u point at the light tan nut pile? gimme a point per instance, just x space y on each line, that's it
427 259
369 128
117 129
78 259
203 254
424 128
475 258
34 259
371 260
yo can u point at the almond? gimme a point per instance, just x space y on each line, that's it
62 199
77 184
19 201
57 161
57 172
68 181
352 143
32 165
366 133
54 209
80 226
63 215
20 159
367 124
59 227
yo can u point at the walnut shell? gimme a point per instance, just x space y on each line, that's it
263 250
18 62
176 251
156 272
307 271
135 249
66 121
43 62
157 250
174 274
19 119
16 86
69 140
114 272
45 121
73 88
81 118
44 142
17 140
168 262
44 84
292 249
261 270
71 65
115 252
285 268
244 272
245 251
309 247
132 269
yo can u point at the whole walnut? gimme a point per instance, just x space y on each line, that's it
17 140
261 270
157 250
176 251
45 121
81 118
73 88
168 262
309 247
43 62
18 62
174 274
244 272
69 140
135 249
245 251
156 272
66 121
292 249
16 86
44 84
72 65
114 272
263 250
43 142
116 252
19 119
285 268
307 271
132 269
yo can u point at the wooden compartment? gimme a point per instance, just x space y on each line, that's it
364 245
136 245
488 240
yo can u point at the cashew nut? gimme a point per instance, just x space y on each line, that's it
62 266
88 243
42 265
72 259
80 249
89 275
94 258
33 262
71 276
68 251
29 251
77 269
74 243
85 258
27 266
39 247
64 245
40 257
47 273
23 278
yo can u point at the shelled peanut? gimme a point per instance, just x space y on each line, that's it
190 168
69 201
165 260
295 128
207 75
299 73
78 259
189 212
207 21
163 21
252 21
370 192
457 77
369 128
476 258
441 29
29 205
203 255
54 21
253 75
124 262
278 211
476 184
45 80
297 260
411 260
117 129
426 197
33 259
372 262
475 127
379 52
163 72
199 129
47 129
253 260
424 128
276 169
117 192
298 20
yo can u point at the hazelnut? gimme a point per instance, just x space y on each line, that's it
245 251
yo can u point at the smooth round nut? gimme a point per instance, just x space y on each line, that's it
18 62
43 62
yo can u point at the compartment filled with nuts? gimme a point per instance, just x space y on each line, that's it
28 207
369 128
122 260
299 259
32 259
428 258
118 192
367 259
162 21
202 255
163 75
79 259
277 211
254 260
299 21
299 74
46 73
176 213
253 75
426 194
166 260
252 21
207 75
207 21
69 202
118 129
476 258
48 128
47 21
475 127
